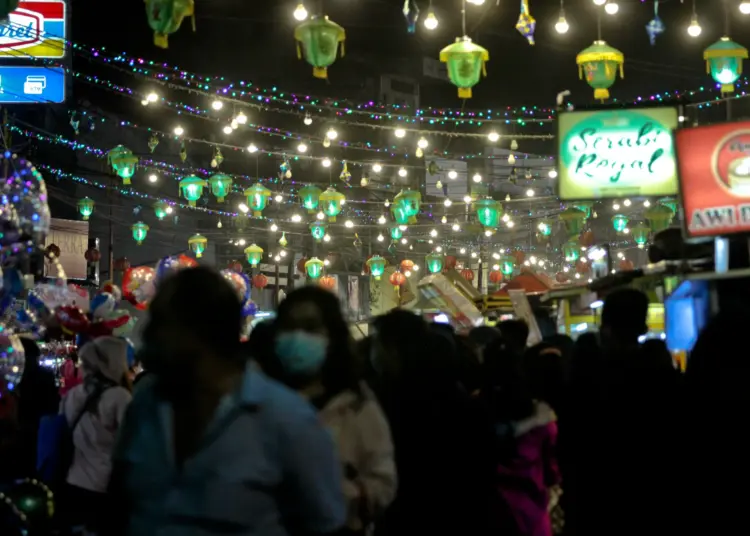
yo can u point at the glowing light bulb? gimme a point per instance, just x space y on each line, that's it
611 8
169 210
381 220
562 26
493 136
402 172
252 148
452 174
279 198
600 2
431 21
477 177
467 199
616 206
433 233
476 2
530 192
377 168
552 174
745 8
447 202
300 13
228 129
241 118
326 162
349 224
403 228
274 227
178 131
217 105
647 203
627 202
332 134
510 224
308 119
320 215
404 241
327 238
399 133
296 218
153 178
456 227
152 97
243 208
488 233
302 148
694 30
242 242
423 143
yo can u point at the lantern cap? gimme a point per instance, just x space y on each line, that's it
197 239
257 189
192 179
658 211
331 195
463 45
600 51
219 177
253 248
317 22
724 48
572 213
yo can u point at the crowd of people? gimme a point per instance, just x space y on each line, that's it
416 429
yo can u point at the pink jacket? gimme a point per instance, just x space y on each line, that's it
72 377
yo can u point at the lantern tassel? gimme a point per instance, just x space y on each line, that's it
160 40
299 51
191 203
320 72
219 199
126 182
343 49
727 88
257 213
464 93
484 69
332 219
601 94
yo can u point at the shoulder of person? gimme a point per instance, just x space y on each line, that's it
116 395
280 402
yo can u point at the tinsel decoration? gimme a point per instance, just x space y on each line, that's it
153 142
526 24
655 26
411 14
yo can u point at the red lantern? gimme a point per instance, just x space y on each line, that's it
587 239
582 267
260 281
519 255
92 255
235 266
496 276
407 265
562 277
397 279
468 274
52 251
365 266
450 262
301 265
328 282
122 264
626 265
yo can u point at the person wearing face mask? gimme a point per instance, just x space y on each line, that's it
313 354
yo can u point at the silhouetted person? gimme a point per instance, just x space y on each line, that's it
516 335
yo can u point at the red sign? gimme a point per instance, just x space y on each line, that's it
714 165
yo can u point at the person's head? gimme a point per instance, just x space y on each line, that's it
105 358
396 336
515 333
505 384
482 336
313 342
544 370
195 317
624 317
31 352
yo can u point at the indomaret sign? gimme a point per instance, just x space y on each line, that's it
714 164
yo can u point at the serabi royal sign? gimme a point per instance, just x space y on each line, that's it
35 30
714 164
616 153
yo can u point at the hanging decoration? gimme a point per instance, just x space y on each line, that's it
655 26
396 233
620 222
192 188
86 207
411 14
165 17
488 212
573 219
496 277
318 230
409 201
640 234
376 264
332 202
399 214
659 217
285 169
139 230
466 64
345 175
407 265
724 62
310 197
327 282
153 142
253 254
545 227
670 202
283 242
468 274
160 209
197 244
260 281
218 157
586 207
397 279
526 24
123 162
183 151
257 198
318 40
221 185
600 64
571 251
507 265
314 268
434 262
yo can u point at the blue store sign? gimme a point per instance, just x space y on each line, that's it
32 85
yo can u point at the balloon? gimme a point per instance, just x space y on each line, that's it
28 217
138 285
11 362
126 328
110 287
72 319
79 297
102 304
249 309
11 287
239 282
169 265
131 352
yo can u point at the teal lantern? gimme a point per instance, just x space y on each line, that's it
620 222
399 214
571 251
310 197
318 40
332 203
659 217
257 198
221 185
434 262
545 227
160 209
488 212
669 202
318 230
396 233
139 230
573 219
376 264
198 244
640 234
585 207
409 201
253 254
314 268
600 64
86 207
466 64
123 162
724 62
192 188
507 265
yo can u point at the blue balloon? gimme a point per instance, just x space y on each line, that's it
249 309
131 351
249 286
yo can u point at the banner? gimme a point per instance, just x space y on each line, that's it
35 30
714 164
617 153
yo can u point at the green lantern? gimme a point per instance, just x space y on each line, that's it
160 209
86 207
221 185
253 254
197 244
165 17
620 222
314 268
396 233
434 262
310 197
724 62
640 234
545 227
318 40
139 230
123 162
571 251
488 212
466 64
192 189
318 230
600 64
670 202
331 202
659 217
7 7
257 198
399 214
409 201
507 265
585 207
573 219
376 263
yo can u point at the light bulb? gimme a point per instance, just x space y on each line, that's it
510 224
477 177
217 105
562 25
456 227
600 2
169 210
326 162
243 208
511 159
277 259
152 97
381 220
349 224
431 21
308 119
402 172
327 238
473 254
433 233
296 218
399 133
234 124
380 238
377 168
320 215
530 192
611 8
447 202
647 203
242 242
228 129
452 174
241 118
332 134
467 199
302 148
423 143
488 233
552 174
153 178
616 206
439 249
444 219
144 102
694 30
279 198
178 131
627 202
282 253
252 148
506 218
403 228
493 136
301 12
745 8
476 2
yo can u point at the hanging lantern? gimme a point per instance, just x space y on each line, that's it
318 40
235 266
466 64
399 214
376 263
121 264
488 212
562 277
221 185
724 62
526 24
257 198
468 274
396 233
197 244
582 267
310 197
332 202
640 234
450 262
620 222
165 17
253 254
192 188
397 279
160 209
139 230
545 227
409 201
314 268
587 239
573 219
407 265
659 217
496 277
571 251
318 230
328 282
669 202
434 262
507 265
260 281
585 207
123 162
86 207
600 63
92 255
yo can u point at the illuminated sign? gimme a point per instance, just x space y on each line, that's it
33 84
714 165
35 30
616 153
